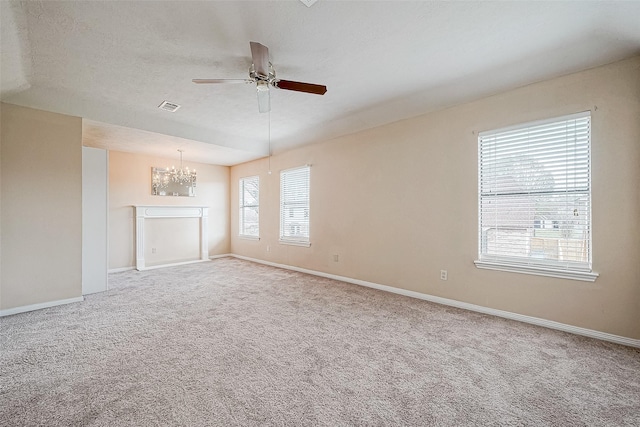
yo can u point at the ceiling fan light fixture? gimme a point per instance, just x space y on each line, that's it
262 73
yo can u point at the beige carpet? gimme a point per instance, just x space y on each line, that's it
233 343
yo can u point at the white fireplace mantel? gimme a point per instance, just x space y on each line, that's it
146 212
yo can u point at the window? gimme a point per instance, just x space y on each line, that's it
294 206
535 198
249 207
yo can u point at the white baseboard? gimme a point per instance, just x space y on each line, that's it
120 270
173 264
32 307
463 305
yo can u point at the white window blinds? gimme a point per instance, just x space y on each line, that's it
294 205
535 194
249 198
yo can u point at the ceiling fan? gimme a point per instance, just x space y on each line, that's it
261 73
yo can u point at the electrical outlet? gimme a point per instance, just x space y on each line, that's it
268 248
153 250
335 258
443 274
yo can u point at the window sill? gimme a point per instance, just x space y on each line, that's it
256 238
539 271
295 243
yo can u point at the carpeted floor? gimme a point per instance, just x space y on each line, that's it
233 343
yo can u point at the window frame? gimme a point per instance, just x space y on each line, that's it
286 211
242 205
529 265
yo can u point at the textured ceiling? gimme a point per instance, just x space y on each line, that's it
114 62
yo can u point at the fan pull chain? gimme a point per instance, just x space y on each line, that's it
269 134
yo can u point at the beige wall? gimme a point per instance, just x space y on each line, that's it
0 207
41 203
399 203
130 184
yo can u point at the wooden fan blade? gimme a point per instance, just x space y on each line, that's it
260 56
207 81
301 87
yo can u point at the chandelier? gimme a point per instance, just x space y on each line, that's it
182 176
162 178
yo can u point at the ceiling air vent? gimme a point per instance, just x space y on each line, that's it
168 106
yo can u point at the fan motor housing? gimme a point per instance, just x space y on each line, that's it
257 77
